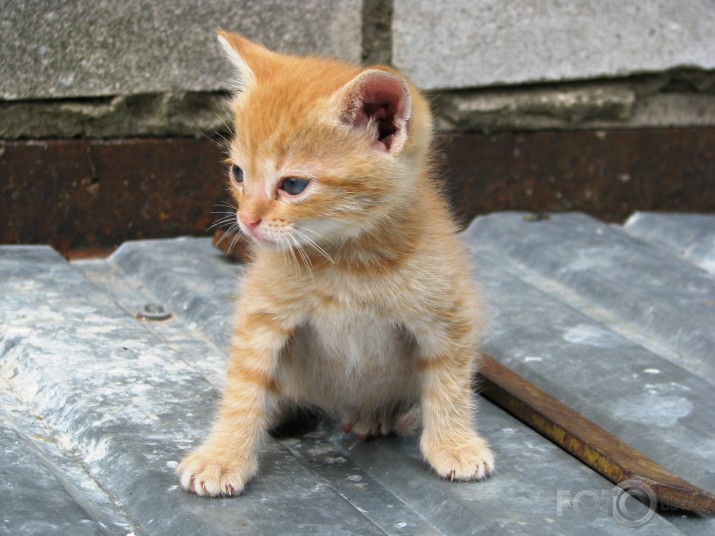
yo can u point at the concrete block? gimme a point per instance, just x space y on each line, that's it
468 43
86 48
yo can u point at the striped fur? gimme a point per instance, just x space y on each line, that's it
359 301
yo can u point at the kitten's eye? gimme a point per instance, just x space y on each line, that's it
293 186
236 173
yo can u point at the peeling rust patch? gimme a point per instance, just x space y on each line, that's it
85 197
607 174
88 196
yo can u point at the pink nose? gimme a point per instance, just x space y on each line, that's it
251 222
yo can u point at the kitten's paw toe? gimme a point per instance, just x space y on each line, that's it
470 461
371 429
372 426
214 476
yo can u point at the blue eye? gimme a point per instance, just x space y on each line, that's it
236 173
293 186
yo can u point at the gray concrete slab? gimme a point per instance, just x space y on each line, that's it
691 236
467 43
89 49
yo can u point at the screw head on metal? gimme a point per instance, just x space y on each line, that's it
153 311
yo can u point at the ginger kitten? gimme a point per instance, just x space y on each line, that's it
359 301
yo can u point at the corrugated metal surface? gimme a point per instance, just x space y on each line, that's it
98 406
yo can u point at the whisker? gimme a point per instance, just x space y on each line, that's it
303 255
299 230
224 204
220 223
294 259
223 236
236 237
233 229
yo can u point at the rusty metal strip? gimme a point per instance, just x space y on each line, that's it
585 440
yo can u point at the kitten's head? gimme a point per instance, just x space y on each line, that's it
323 151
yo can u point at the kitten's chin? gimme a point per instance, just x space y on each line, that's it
261 239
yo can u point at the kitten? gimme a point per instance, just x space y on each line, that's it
359 300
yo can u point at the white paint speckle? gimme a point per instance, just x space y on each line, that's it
532 358
592 336
652 371
319 450
96 450
400 525
661 411
171 464
354 478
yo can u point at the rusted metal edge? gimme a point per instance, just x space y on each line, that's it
584 439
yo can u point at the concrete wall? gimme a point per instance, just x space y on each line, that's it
111 111
140 67
451 44
90 48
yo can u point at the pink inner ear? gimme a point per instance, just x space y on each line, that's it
379 98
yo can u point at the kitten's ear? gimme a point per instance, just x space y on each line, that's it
247 56
380 101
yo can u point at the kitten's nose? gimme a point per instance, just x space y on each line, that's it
250 221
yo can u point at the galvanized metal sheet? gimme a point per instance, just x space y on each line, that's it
608 378
691 236
35 499
661 300
472 511
141 256
131 396
131 408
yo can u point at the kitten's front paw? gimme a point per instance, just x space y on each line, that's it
206 472
471 460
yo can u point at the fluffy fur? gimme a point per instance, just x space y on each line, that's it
359 301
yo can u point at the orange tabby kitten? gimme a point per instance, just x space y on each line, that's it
359 301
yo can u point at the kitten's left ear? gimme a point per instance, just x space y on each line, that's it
380 101
251 59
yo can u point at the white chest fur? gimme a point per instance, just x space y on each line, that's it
348 360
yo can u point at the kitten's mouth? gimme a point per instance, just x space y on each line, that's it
258 237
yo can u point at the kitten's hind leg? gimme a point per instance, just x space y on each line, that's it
402 423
